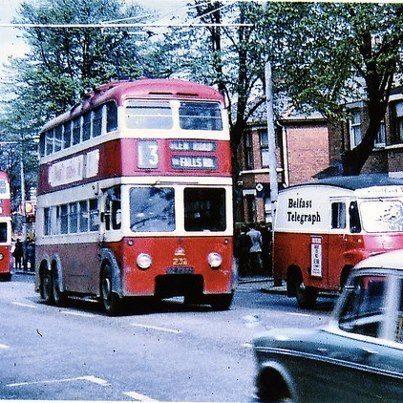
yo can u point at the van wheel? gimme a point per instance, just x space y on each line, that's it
110 301
59 297
306 296
47 287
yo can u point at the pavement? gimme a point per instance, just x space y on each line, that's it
261 283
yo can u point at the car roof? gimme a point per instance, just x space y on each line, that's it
389 260
354 182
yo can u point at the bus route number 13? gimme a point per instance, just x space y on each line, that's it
147 154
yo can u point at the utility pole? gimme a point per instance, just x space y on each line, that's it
271 141
23 201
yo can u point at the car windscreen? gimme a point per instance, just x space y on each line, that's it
382 215
200 116
148 115
364 305
204 209
152 209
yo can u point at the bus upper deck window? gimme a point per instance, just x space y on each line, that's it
49 142
58 138
97 122
3 186
149 115
355 223
67 135
200 116
111 117
42 145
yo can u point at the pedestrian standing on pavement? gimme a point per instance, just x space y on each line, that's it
31 255
242 248
18 255
255 251
266 248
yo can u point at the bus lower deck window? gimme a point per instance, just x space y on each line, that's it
205 209
152 209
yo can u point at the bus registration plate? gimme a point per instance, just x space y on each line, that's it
180 270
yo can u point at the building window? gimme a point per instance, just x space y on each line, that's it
248 151
399 122
264 148
355 128
380 140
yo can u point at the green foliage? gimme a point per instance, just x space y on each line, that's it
63 64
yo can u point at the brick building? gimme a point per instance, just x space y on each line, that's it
302 150
387 155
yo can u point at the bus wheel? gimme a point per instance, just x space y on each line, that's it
47 287
5 277
221 302
110 301
59 297
306 296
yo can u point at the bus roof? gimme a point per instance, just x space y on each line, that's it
354 182
142 88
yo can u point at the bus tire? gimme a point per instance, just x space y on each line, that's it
47 286
221 302
306 296
5 277
110 300
59 297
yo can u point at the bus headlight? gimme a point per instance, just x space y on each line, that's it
143 261
214 260
1 256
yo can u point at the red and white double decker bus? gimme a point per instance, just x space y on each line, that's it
135 196
5 228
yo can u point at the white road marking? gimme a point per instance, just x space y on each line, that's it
139 397
73 313
162 329
88 378
4 346
247 345
298 314
25 305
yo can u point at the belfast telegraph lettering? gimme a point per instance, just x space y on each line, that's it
297 216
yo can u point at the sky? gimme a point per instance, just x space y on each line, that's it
12 45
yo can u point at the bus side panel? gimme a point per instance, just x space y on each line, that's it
175 254
79 265
6 260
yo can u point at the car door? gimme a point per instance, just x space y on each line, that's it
368 322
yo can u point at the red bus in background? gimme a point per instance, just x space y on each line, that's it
5 228
135 196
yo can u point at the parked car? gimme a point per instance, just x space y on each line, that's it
357 356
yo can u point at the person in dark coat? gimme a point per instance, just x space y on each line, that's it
18 255
266 248
31 255
242 247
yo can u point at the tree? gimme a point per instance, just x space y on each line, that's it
63 64
330 54
229 58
